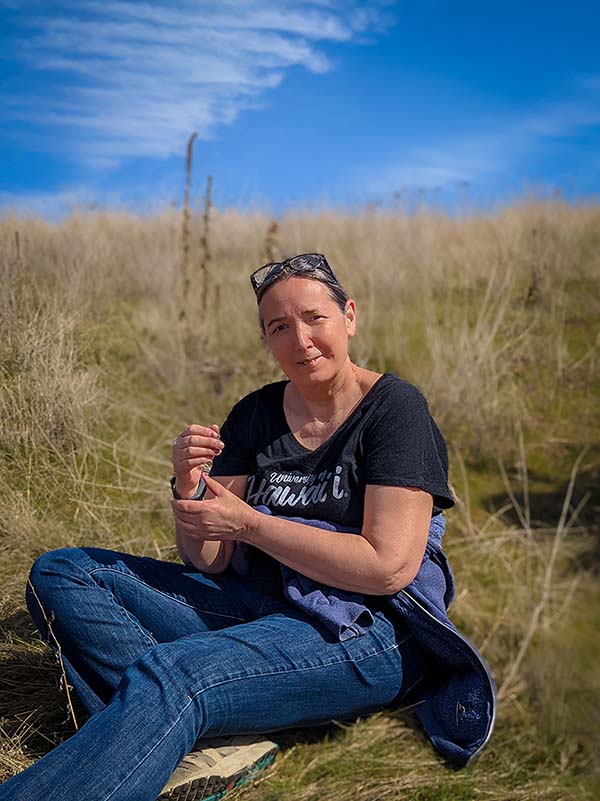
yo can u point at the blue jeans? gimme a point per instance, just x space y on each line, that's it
161 655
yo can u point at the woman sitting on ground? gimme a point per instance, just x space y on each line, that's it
291 607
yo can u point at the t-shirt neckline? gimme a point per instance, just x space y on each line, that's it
298 445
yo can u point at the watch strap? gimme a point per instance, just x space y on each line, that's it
197 496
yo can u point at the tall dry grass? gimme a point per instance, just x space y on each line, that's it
495 317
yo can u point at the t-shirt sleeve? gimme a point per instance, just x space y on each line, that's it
238 457
403 447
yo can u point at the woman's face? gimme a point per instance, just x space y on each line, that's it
306 330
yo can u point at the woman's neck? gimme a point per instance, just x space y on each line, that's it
327 401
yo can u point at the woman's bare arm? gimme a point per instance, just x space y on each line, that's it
382 560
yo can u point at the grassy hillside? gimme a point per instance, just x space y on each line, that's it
495 318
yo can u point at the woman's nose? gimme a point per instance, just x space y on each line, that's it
302 335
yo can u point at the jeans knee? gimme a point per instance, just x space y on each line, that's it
52 563
159 663
166 667
155 683
47 572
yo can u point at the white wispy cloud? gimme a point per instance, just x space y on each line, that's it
482 154
135 78
54 205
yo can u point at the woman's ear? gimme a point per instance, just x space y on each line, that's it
350 317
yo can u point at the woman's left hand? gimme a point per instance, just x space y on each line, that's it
224 517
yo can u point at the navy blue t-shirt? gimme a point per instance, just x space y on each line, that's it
389 439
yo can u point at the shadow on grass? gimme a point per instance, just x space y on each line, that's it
546 507
337 730
33 705
19 624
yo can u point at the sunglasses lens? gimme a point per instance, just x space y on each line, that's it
262 273
306 262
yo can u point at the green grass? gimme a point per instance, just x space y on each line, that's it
94 383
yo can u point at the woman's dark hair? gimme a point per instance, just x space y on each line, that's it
336 292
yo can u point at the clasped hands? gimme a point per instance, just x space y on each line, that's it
222 517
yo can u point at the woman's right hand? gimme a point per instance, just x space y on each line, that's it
191 450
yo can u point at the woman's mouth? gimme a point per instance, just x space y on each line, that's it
308 362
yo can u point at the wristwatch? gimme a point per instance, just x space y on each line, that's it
197 496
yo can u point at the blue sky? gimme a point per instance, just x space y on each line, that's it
297 102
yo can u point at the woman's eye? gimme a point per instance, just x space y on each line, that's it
282 326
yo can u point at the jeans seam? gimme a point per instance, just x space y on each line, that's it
154 747
192 698
294 670
162 592
131 619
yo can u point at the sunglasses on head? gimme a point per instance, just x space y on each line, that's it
305 263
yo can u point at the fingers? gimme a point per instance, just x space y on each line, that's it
196 446
182 465
202 431
187 522
189 509
216 487
196 441
185 454
191 530
190 520
199 437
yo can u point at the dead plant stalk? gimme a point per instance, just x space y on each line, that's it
64 679
186 277
561 528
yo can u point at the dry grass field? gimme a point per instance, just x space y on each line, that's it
495 317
